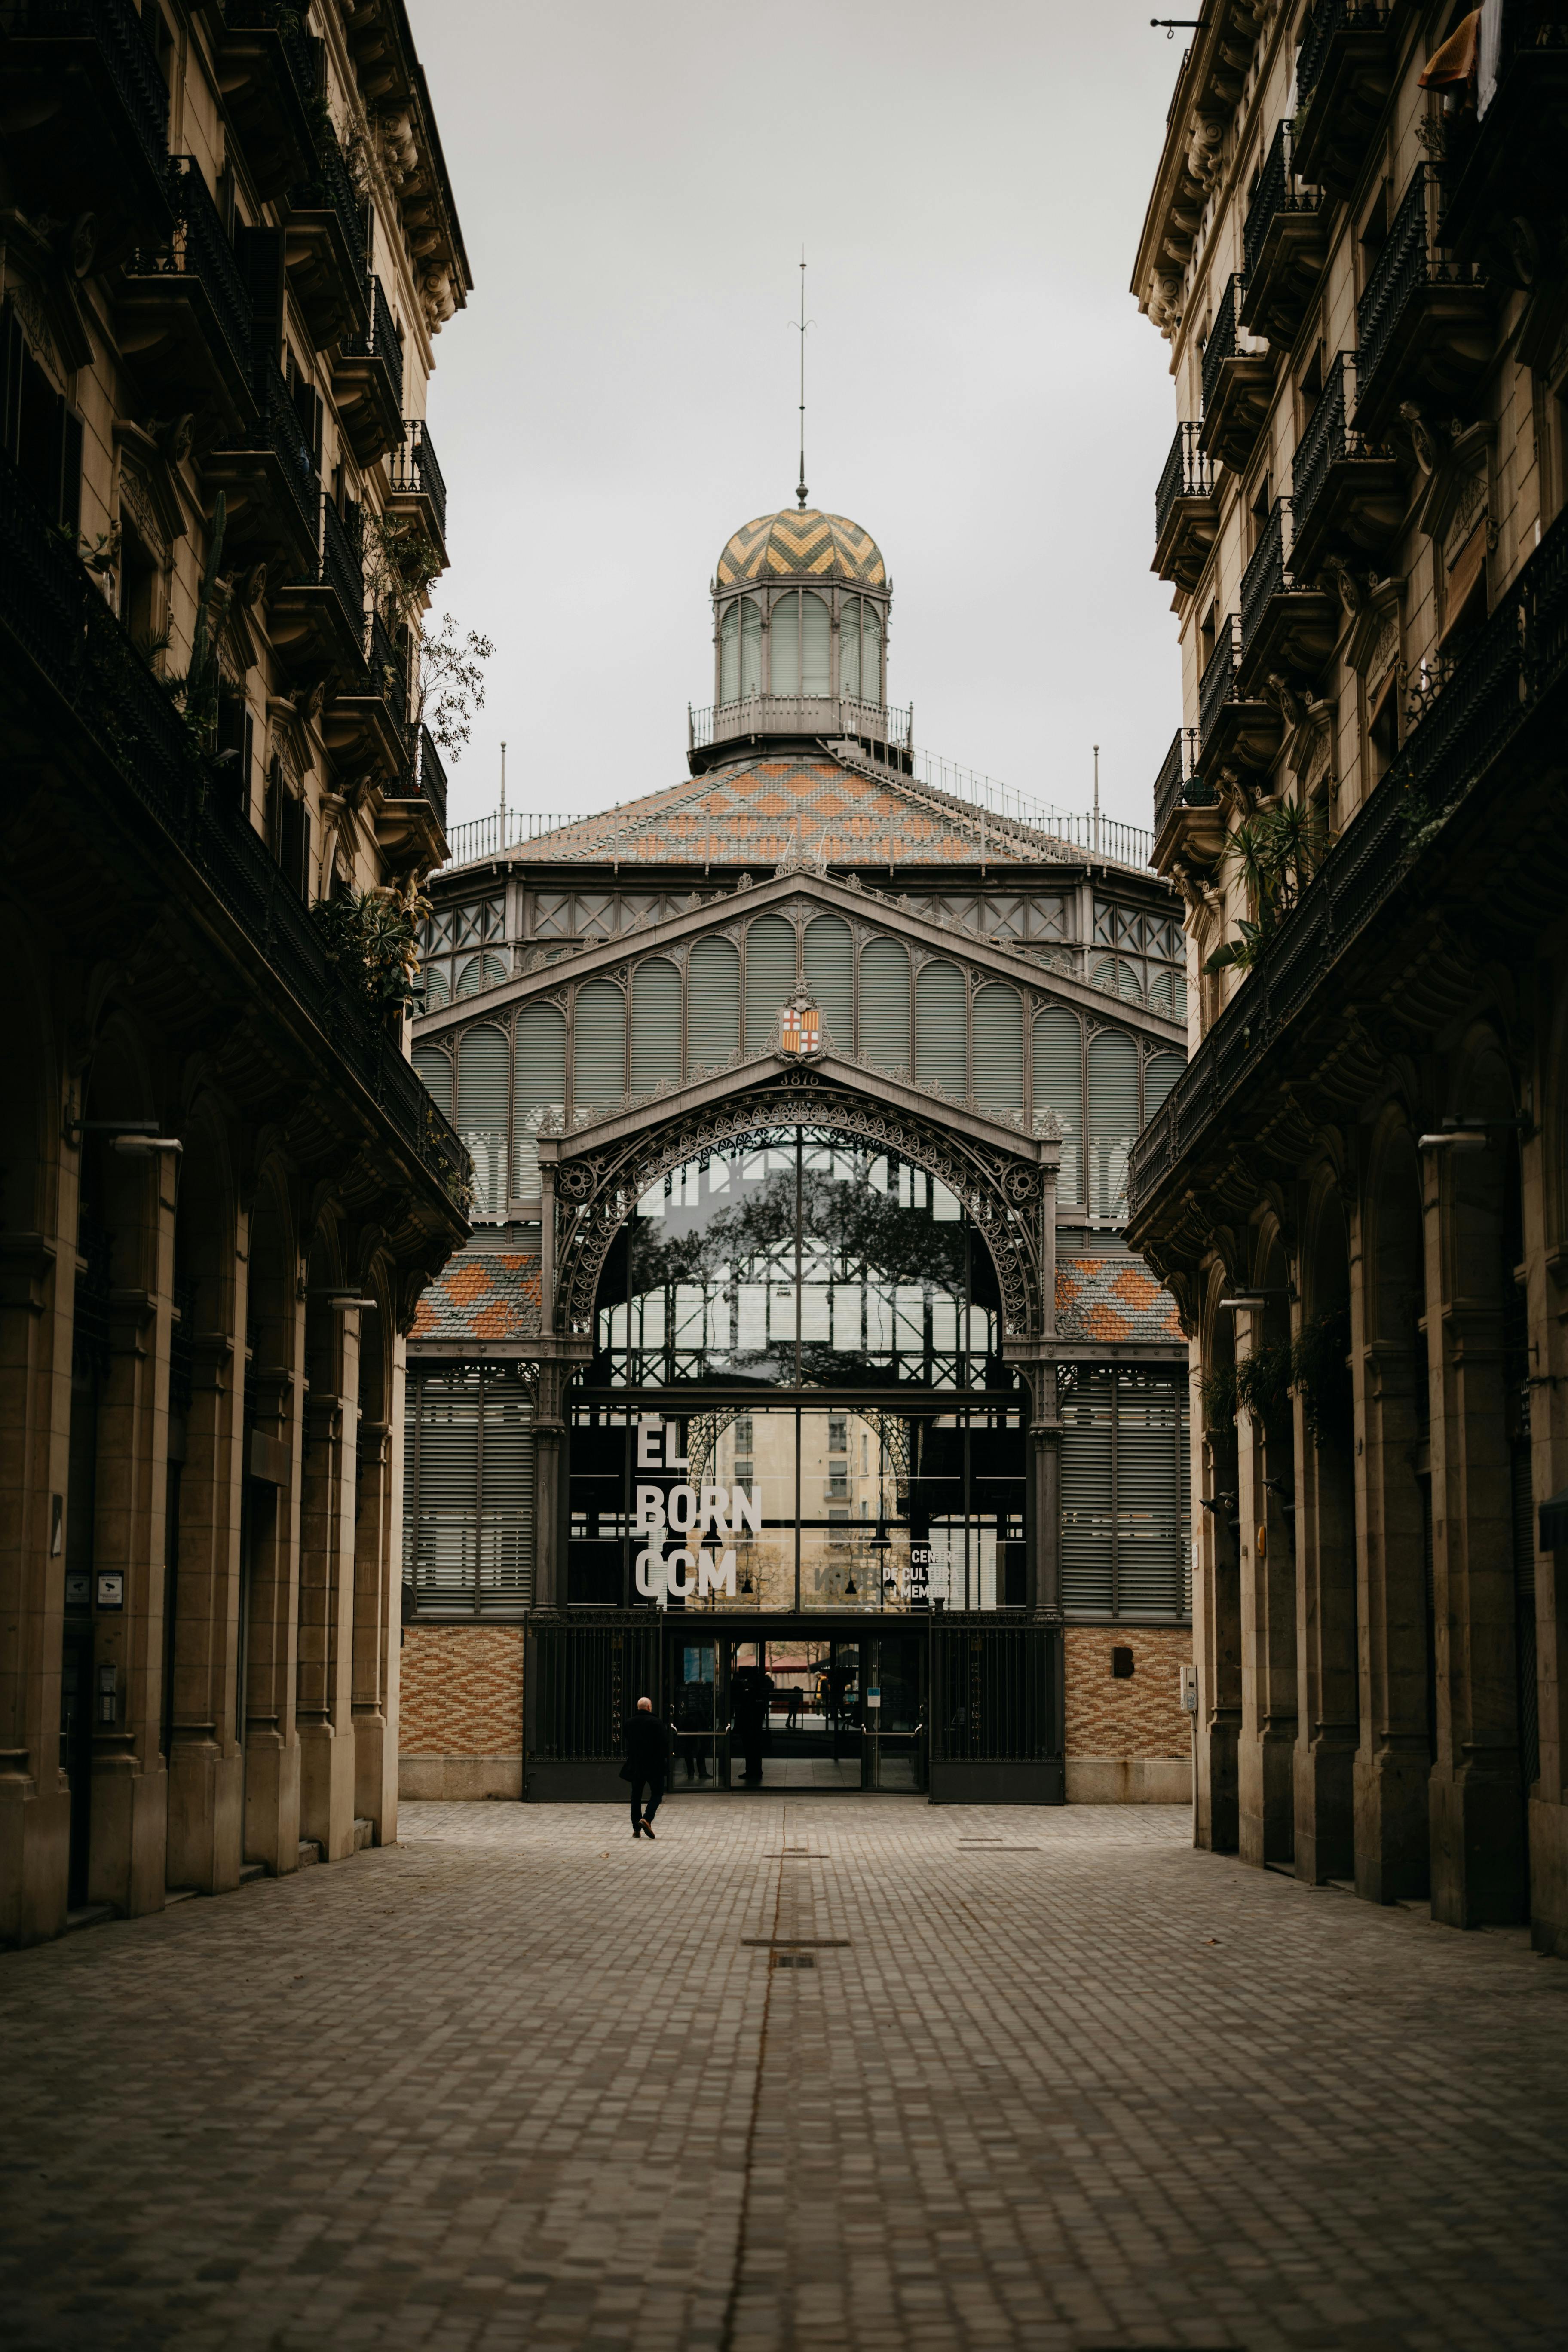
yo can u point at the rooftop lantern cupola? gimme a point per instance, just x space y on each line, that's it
800 637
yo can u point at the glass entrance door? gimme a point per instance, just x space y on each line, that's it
698 1694
893 1710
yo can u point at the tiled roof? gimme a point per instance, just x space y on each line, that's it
1109 1299
801 544
766 807
483 1293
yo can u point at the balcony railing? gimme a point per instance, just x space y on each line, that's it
1410 259
281 432
1267 573
414 470
1497 687
1280 190
342 565
127 56
796 714
62 630
1330 436
1187 474
1330 17
1216 687
424 779
1223 334
302 50
382 341
1178 783
199 248
388 677
331 190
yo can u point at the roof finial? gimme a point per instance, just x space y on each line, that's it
800 485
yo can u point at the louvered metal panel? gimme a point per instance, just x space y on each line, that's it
885 1004
712 1004
486 970
435 1069
539 1063
1159 1075
598 1046
770 976
941 1027
1113 1119
1058 1087
1151 1453
1087 1497
484 1091
999 1048
468 1491
830 976
656 1024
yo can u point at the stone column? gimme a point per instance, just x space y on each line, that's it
1264 1797
1393 1762
1216 1637
207 1764
376 1598
1329 1730
272 1740
325 1700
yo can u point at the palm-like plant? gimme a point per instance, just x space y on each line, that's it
1276 855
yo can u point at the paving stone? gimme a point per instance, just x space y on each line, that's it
519 2081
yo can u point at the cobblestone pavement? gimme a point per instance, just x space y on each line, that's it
1044 2079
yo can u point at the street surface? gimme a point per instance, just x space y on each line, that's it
824 2072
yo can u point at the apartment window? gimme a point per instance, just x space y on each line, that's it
837 1433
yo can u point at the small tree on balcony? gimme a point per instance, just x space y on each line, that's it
1277 854
401 567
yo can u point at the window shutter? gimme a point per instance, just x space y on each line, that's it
434 1069
830 976
783 644
815 634
538 1059
712 1003
885 1004
1087 1501
483 1086
770 976
870 652
1113 1119
656 1024
482 971
750 646
437 986
999 1048
506 1495
1058 1087
599 1046
1159 1075
941 1043
730 653
850 648
441 1488
1149 1447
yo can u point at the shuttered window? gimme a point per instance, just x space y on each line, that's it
1124 1497
712 1004
800 633
830 976
438 982
656 1024
482 971
1121 978
769 977
468 1503
783 644
730 653
999 1048
1058 1087
598 1046
1113 1119
815 635
540 1086
885 1004
941 1043
434 1068
483 1091
750 646
1159 1075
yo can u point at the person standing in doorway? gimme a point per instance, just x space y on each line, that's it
647 1751
751 1692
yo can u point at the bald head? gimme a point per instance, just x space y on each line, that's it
645 1707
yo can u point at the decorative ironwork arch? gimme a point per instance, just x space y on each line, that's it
596 1194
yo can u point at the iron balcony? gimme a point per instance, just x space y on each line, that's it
1188 821
1187 511
95 54
1288 624
1284 244
1344 72
411 813
815 715
366 724
268 473
317 618
1346 489
367 381
418 485
1237 381
1504 168
184 309
1233 730
1423 323
270 66
328 235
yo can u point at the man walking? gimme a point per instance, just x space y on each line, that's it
646 1750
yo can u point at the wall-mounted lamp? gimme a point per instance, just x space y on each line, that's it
145 1147
1453 1138
136 1136
1253 1298
340 1301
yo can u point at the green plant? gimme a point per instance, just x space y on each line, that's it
371 938
1217 1392
1277 854
1263 1382
1320 1369
451 683
401 565
1422 822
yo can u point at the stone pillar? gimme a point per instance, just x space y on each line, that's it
549 1471
206 1762
327 1572
1216 1638
1393 1762
273 1741
1329 1730
375 1597
1265 1744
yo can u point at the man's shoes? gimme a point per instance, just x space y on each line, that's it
647 1829
637 1828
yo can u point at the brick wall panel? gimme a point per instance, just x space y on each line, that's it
462 1691
1140 1717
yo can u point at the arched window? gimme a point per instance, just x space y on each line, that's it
1159 1075
484 1086
712 1004
770 976
830 976
1058 1087
656 1024
860 650
941 1045
885 1004
598 1046
730 653
816 639
482 971
739 649
539 1060
434 1068
800 633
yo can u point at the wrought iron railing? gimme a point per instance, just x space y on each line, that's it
1216 687
414 468
1280 190
1179 783
197 248
1411 258
1330 17
116 31
61 631
432 776
1267 573
388 672
342 565
1330 433
278 429
381 341
1187 473
329 190
1223 334
302 50
1497 687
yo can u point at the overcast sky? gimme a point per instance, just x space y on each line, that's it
635 186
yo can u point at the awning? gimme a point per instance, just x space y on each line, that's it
1455 61
1554 1521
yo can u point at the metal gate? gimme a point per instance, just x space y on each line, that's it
995 1701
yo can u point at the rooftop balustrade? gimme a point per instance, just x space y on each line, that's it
821 715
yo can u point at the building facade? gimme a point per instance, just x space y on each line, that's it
1356 1189
798 1343
229 240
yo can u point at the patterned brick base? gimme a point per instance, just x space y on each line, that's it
462 1691
1140 1717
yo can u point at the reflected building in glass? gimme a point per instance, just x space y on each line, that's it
797 1373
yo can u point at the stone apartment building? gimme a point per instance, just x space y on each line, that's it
1357 1189
228 242
799 1331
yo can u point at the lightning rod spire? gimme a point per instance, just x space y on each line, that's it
800 485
